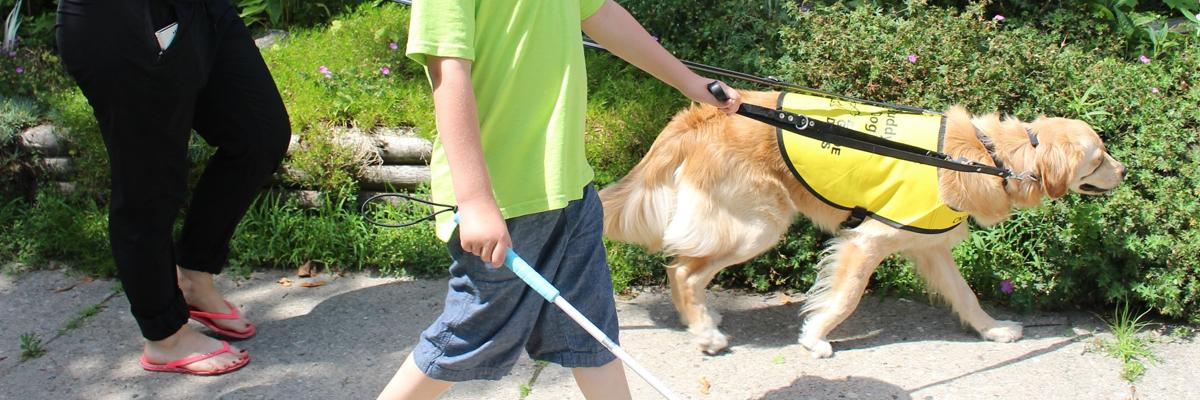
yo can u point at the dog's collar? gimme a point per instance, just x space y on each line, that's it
987 143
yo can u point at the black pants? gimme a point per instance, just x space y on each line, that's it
147 101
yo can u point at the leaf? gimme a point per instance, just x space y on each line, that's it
284 281
705 385
306 270
309 284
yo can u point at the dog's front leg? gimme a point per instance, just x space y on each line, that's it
937 266
841 281
689 279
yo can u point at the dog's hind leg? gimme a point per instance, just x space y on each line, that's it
937 266
842 279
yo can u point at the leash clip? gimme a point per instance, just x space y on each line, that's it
1023 176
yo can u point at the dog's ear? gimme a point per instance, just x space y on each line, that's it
1055 164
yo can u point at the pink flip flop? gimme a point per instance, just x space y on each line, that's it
177 365
207 318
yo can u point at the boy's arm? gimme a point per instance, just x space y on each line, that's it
615 29
481 228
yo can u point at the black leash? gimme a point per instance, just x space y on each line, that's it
842 136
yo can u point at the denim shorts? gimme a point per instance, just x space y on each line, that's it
490 314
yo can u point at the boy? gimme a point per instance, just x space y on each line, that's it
509 92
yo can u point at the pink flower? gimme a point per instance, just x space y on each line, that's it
998 18
385 71
912 58
1144 59
393 45
20 70
1154 90
1006 286
325 70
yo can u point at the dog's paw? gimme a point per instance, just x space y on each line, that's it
1003 332
711 341
817 348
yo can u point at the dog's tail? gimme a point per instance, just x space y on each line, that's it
639 207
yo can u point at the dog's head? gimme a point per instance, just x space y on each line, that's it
1071 157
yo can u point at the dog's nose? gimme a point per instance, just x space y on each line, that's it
1124 171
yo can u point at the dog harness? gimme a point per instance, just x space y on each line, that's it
899 193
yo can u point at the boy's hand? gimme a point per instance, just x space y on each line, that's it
697 90
482 232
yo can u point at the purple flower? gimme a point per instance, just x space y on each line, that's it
325 70
1006 286
12 54
20 70
1144 59
1154 90
912 58
998 18
393 45
385 71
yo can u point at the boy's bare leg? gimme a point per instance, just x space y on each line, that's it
604 382
410 383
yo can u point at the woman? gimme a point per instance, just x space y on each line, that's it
154 70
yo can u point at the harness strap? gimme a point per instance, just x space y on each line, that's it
856 218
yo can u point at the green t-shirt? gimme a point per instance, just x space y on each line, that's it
530 89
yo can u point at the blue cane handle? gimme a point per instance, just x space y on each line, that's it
531 277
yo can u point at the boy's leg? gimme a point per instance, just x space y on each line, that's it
488 315
410 383
605 382
580 272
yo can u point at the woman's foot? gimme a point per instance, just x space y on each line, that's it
201 294
187 343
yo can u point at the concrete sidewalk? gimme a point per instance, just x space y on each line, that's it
345 339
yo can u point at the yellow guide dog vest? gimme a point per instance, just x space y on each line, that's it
899 193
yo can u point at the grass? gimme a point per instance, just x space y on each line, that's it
31 346
1128 344
1183 332
80 318
526 388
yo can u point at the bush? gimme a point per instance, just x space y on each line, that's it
56 228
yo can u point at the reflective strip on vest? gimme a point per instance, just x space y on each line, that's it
898 193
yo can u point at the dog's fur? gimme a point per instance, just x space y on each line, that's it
714 191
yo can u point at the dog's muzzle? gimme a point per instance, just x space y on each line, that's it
1089 188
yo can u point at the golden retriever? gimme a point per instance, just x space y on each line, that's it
714 191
